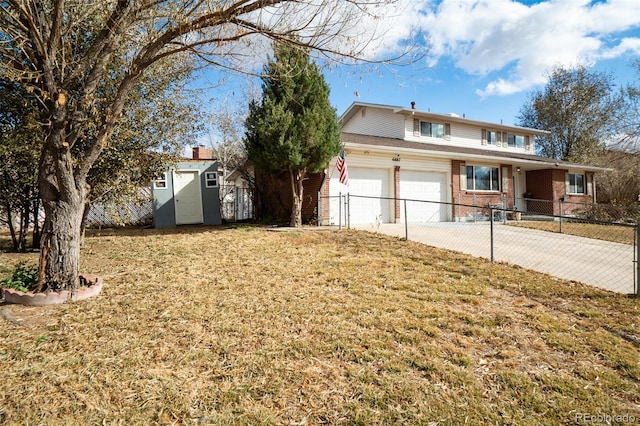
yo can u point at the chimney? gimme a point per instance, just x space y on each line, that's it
202 153
413 105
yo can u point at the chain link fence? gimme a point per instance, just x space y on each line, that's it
132 213
577 247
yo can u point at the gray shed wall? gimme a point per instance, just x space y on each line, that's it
164 209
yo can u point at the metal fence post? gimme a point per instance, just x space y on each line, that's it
406 226
348 210
560 207
491 220
319 210
340 211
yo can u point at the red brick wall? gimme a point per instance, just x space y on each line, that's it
274 199
540 187
463 200
201 153
324 193
547 185
310 202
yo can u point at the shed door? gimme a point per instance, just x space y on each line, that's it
188 198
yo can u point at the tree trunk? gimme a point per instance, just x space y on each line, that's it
25 215
296 177
35 241
12 229
63 200
60 244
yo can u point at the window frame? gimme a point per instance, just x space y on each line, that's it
471 180
572 189
431 124
492 137
516 141
161 183
208 180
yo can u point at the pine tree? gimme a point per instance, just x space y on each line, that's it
293 128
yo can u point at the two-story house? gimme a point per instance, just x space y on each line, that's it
396 153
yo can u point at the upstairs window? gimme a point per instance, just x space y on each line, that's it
504 139
434 130
492 137
515 141
431 130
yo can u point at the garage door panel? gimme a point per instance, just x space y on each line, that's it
423 186
363 182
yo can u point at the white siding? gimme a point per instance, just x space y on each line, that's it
427 164
467 136
381 159
376 122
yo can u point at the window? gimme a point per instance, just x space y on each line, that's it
576 183
160 183
515 141
211 179
434 130
492 137
482 178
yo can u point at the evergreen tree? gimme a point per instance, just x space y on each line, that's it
293 128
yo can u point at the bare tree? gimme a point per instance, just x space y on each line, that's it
62 51
580 109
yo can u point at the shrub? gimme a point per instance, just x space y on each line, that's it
23 278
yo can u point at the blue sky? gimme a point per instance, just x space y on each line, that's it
486 56
481 58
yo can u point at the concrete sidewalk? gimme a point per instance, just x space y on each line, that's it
596 262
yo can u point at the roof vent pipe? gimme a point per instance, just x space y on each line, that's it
413 105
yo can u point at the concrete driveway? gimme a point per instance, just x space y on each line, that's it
600 263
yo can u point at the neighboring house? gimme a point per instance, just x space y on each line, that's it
405 153
188 193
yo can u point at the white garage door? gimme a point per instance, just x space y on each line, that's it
424 186
363 182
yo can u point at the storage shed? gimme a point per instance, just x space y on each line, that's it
188 193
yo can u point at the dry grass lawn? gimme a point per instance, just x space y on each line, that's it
623 234
248 326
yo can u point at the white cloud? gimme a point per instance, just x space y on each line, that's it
494 36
